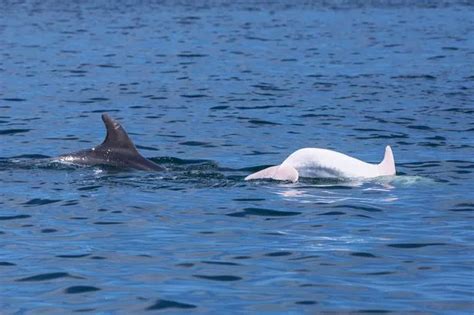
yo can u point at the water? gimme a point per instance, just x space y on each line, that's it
215 91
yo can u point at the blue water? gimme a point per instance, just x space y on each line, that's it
214 91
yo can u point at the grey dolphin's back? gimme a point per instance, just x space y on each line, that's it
117 150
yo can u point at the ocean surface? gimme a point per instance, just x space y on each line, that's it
215 90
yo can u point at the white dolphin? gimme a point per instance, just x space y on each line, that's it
323 163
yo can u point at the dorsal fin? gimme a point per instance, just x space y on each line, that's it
117 137
387 166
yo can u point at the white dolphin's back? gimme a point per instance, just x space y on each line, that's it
323 163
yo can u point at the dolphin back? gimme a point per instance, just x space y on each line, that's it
116 150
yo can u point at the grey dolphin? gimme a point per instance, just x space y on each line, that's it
117 150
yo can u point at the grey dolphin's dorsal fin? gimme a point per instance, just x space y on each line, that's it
117 137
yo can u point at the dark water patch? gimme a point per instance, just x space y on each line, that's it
440 138
80 289
6 264
108 65
13 131
197 144
263 107
256 38
40 202
187 265
465 166
274 233
14 99
165 304
268 87
384 136
249 199
98 258
193 95
362 254
279 254
415 76
306 257
168 135
368 130
256 152
224 278
70 203
100 111
79 102
422 164
14 217
363 208
63 138
152 97
107 223
262 122
315 76
142 147
48 276
363 216
459 110
431 144
379 273
73 256
87 188
420 127
48 230
262 212
84 310
449 48
324 85
414 245
191 55
31 156
424 268
77 71
222 263
242 257
436 57
327 183
306 302
463 207
333 213
219 107
373 311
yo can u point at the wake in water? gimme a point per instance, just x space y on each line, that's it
196 170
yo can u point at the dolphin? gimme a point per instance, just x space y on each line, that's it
323 163
117 150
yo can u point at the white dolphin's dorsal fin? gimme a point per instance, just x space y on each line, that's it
278 172
387 166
